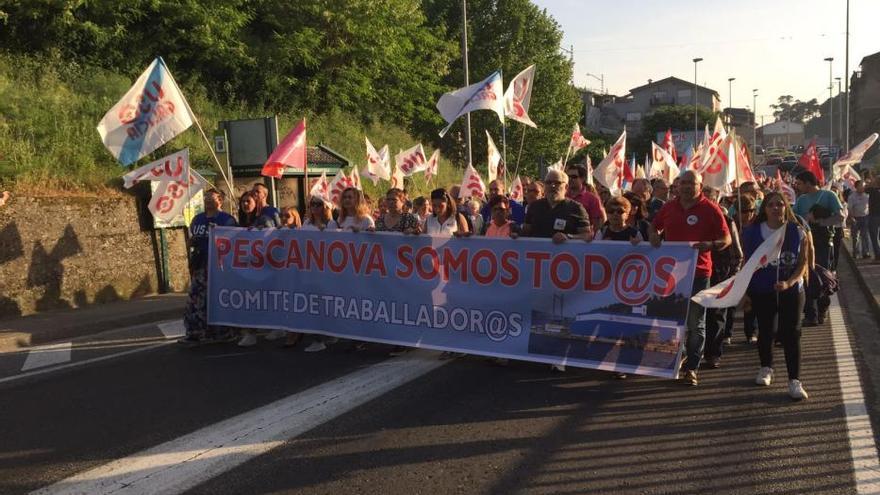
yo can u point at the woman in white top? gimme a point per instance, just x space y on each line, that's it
444 219
354 214
319 214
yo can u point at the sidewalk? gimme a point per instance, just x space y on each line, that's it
70 323
867 275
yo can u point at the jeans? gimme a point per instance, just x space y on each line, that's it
874 232
837 246
696 327
861 236
716 319
816 304
778 317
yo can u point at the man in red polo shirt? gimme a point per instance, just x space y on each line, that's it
692 217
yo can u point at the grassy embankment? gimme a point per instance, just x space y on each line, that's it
49 145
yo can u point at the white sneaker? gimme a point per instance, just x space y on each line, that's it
316 346
765 376
276 334
558 367
796 390
248 340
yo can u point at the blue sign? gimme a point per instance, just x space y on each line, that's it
604 305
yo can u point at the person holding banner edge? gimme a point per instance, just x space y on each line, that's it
776 291
692 217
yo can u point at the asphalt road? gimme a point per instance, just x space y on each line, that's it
426 426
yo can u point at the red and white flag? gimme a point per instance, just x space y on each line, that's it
472 185
578 141
149 115
786 190
669 145
355 179
715 145
729 293
411 161
171 167
493 158
743 168
320 188
290 153
588 163
339 183
810 161
516 190
608 172
662 166
433 165
519 95
719 172
171 196
857 152
377 165
484 95
397 179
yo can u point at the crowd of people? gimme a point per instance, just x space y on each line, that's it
783 297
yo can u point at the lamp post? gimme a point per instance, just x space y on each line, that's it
754 122
830 106
601 79
464 56
840 112
696 124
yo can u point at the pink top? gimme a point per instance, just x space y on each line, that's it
496 231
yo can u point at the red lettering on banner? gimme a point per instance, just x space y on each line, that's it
376 262
509 261
257 253
591 260
223 246
404 255
631 279
555 275
357 255
315 256
270 247
493 266
239 252
431 253
664 275
338 247
457 263
294 256
537 258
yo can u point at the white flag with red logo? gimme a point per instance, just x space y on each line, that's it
339 183
290 153
589 166
718 172
578 141
493 158
715 145
669 145
517 193
662 166
171 167
484 95
743 168
397 179
707 138
355 179
608 172
411 161
149 115
857 152
376 165
519 95
433 165
729 293
171 196
786 190
472 185
321 188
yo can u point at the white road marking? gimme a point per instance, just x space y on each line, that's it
172 329
866 467
47 355
178 465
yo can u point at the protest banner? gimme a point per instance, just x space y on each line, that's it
581 304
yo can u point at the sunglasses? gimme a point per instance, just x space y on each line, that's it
313 205
748 210
616 211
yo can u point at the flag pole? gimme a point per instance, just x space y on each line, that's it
504 149
522 141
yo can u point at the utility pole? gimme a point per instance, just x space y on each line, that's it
846 77
464 57
754 122
696 124
830 106
840 118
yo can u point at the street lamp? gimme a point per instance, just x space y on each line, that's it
754 123
696 125
730 92
830 106
840 119
601 79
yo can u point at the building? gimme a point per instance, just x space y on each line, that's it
740 119
780 134
600 117
643 100
865 102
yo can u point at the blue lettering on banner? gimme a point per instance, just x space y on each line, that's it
591 305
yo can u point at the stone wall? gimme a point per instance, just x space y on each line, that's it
72 252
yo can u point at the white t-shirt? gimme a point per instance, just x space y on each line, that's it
353 223
447 228
307 225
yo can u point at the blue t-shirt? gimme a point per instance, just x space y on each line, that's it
764 280
517 213
823 198
198 231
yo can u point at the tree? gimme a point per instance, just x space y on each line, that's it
508 35
790 109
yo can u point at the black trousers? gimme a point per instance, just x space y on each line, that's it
780 316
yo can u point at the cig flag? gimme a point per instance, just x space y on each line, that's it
728 294
412 160
433 165
578 141
484 95
472 185
321 188
608 172
377 164
856 154
516 190
171 197
493 158
172 167
519 95
149 115
290 153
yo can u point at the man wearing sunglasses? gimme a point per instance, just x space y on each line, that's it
577 190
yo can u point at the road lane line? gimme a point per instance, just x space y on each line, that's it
185 462
47 355
172 329
866 467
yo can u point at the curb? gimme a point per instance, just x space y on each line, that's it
53 326
873 301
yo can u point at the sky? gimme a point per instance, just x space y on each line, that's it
776 46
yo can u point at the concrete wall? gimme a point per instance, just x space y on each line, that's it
72 252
